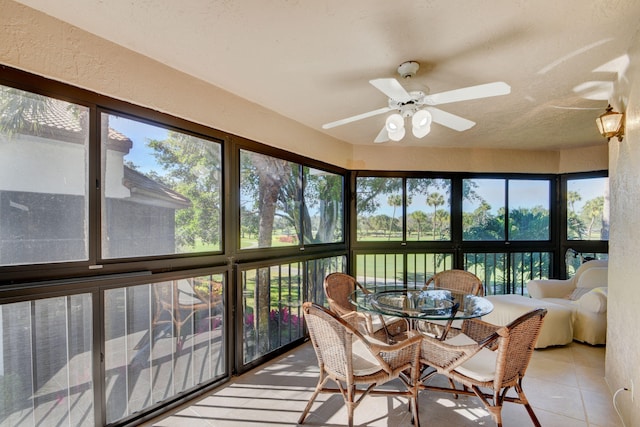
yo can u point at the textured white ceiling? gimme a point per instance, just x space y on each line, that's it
312 60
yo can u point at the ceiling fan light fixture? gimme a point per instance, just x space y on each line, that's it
421 132
394 123
421 119
611 124
397 135
421 122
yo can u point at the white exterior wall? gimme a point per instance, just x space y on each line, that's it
40 165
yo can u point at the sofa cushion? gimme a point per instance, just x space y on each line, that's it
577 293
481 366
595 300
593 278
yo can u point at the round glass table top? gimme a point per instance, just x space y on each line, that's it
430 304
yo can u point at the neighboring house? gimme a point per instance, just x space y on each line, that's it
44 199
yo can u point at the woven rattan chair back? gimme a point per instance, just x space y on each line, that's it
341 350
515 350
457 280
337 288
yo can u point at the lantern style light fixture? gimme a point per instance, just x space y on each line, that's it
611 124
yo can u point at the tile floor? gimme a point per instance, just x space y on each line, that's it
565 386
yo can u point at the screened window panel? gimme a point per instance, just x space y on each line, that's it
272 308
428 209
270 201
162 339
421 266
483 209
323 209
43 179
380 271
529 209
588 209
161 192
47 376
379 209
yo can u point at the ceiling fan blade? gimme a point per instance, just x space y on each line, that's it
355 118
467 93
450 120
383 136
392 88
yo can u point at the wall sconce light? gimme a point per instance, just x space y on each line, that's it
611 124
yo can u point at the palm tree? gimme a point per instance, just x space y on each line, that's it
435 200
394 200
593 210
572 198
419 217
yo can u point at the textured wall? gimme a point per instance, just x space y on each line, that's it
623 313
35 42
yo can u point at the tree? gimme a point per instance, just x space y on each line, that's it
435 200
268 175
21 110
593 210
192 168
381 222
529 224
482 225
419 218
443 220
575 226
394 200
572 198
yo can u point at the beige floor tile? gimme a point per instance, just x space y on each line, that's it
600 409
558 372
565 386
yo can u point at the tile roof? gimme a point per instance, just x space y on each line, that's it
65 121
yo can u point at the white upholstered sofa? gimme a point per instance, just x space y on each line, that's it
585 293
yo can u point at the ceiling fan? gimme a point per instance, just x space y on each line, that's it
420 106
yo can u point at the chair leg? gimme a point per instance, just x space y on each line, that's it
453 386
349 401
525 402
322 380
413 402
496 409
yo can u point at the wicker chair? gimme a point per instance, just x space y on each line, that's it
338 287
456 280
459 282
178 301
350 359
489 357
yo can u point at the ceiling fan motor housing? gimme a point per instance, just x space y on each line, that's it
408 108
408 69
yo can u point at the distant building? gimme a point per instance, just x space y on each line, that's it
44 193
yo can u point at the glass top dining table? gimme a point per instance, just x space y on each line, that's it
418 304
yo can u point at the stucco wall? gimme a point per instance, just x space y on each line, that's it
623 314
38 43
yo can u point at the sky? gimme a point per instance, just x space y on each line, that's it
139 133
